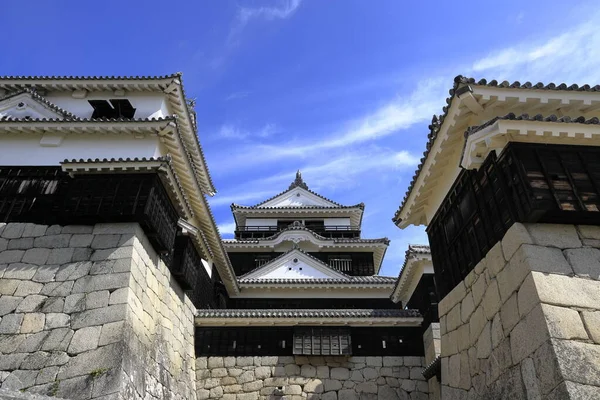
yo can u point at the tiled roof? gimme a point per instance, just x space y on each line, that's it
237 206
437 121
42 100
90 78
538 118
302 227
113 160
412 250
352 280
308 313
77 119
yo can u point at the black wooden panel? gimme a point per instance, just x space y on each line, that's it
322 341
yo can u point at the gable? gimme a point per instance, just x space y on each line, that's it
295 264
297 197
26 105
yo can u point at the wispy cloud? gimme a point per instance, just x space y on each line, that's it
570 56
237 95
282 9
241 197
226 228
234 131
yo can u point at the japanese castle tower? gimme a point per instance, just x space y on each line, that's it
308 285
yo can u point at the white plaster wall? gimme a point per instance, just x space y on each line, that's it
318 293
336 221
147 105
23 149
261 221
295 270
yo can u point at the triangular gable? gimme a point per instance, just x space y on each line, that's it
297 197
295 264
30 105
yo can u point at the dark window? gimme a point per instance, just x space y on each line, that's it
114 108
322 341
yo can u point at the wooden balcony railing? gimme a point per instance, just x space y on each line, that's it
527 183
330 231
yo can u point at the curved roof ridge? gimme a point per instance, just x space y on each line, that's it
461 81
89 77
41 100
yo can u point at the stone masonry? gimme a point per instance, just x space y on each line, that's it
312 378
432 343
90 312
525 323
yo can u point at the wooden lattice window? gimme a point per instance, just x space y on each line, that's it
322 341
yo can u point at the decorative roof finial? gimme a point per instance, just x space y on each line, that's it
298 182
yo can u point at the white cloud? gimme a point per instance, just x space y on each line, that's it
237 95
226 228
240 197
282 10
233 131
229 131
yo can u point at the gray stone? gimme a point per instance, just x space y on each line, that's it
367 387
45 273
81 240
73 271
104 357
13 230
82 254
57 340
34 230
57 320
347 394
27 288
61 256
246 376
307 371
53 241
12 361
8 287
323 370
341 373
564 323
202 394
578 361
119 296
292 369
76 388
74 303
36 256
8 304
247 396
84 339
292 390
77 229
91 283
218 372
584 261
262 372
46 375
374 361
111 333
20 244
19 270
57 288
591 320
331 384
387 393
329 396
97 299
368 374
11 323
53 305
30 303
19 379
562 236
99 316
105 241
393 361
530 379
313 386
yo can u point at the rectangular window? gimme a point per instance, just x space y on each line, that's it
322 341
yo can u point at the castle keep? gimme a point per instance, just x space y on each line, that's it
115 283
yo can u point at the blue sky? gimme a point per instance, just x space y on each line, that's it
342 90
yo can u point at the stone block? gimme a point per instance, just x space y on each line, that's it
386 371
97 299
243 361
61 256
57 288
19 270
11 323
82 254
323 371
344 373
8 304
33 322
530 380
252 386
8 287
246 376
312 386
105 241
27 288
328 396
19 379
516 235
262 372
367 387
292 390
392 361
454 370
463 338
55 340
476 324
522 341
31 303
99 316
307 370
560 290
465 376
478 289
91 283
12 361
202 394
494 260
13 230
453 318
85 339
84 363
218 372
45 273
52 241
374 361
591 320
511 277
527 296
347 394
496 331
247 396
484 342
111 333
467 307
57 320
584 261
116 228
20 244
74 303
46 375
216 393
562 236
367 374
564 323
455 296
53 305
34 230
578 361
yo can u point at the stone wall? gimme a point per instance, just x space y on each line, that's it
300 378
91 312
432 345
525 323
